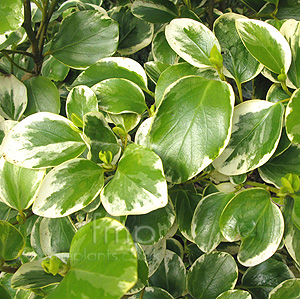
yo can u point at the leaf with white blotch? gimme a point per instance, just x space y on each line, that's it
68 188
79 43
113 67
263 278
42 140
266 44
150 228
292 120
154 69
18 185
153 293
12 38
154 11
13 97
35 238
81 100
205 224
43 96
254 219
139 185
287 162
102 139
12 242
50 229
291 232
176 72
155 254
192 41
287 289
235 294
192 106
185 203
100 267
254 138
220 272
32 275
161 50
135 34
143 271
118 95
142 133
54 69
291 31
170 275
11 15
237 60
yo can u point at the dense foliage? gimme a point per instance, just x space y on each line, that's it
149 149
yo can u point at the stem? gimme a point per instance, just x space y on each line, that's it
256 184
239 87
18 66
37 4
210 13
37 57
17 52
152 94
8 269
284 87
285 100
142 294
44 19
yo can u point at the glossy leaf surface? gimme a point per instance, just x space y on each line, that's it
292 121
289 288
11 15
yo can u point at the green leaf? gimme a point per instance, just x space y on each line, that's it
153 293
254 219
127 120
291 31
11 15
192 41
296 210
4 293
143 271
32 275
205 224
237 60
35 241
89 42
266 44
261 279
291 232
139 185
43 96
50 229
161 50
287 162
185 203
102 139
176 72
154 11
135 34
287 289
142 133
54 69
113 67
100 267
155 254
292 121
183 114
235 294
118 95
220 272
12 38
254 138
12 242
154 69
18 185
170 275
81 100
42 140
13 97
150 228
68 188
276 93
